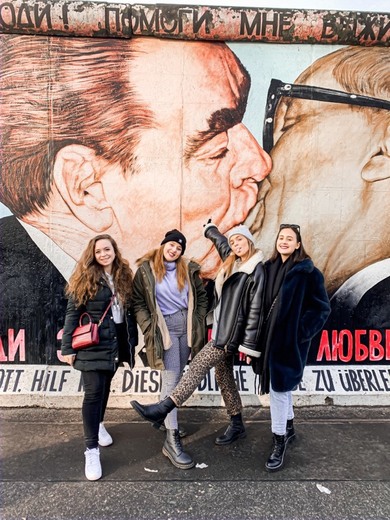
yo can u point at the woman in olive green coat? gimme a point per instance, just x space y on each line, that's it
170 305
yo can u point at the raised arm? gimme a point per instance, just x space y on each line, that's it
220 241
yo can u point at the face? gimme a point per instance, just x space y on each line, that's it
172 251
199 160
286 243
320 177
104 254
240 246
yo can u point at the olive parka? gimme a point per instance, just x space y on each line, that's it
105 355
151 320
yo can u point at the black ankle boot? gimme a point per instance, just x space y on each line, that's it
155 413
173 449
276 458
290 432
182 431
235 430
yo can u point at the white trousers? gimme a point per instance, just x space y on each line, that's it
281 407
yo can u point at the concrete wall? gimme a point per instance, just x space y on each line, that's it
136 136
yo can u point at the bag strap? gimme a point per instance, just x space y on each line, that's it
271 308
107 309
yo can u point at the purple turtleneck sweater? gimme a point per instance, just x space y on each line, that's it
169 298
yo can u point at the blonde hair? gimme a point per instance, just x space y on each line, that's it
228 264
156 258
84 281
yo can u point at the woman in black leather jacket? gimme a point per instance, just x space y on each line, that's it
237 320
102 280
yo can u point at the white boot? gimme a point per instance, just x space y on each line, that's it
105 438
93 468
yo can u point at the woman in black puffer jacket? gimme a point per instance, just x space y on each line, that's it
101 285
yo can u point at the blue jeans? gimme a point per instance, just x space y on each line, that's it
175 360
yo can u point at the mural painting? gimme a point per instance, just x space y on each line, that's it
132 137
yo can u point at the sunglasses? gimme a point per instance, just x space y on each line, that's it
278 89
291 226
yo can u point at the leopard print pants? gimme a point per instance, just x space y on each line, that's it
210 356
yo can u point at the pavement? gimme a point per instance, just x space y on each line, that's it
337 468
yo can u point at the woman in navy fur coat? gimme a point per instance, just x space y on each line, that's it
296 306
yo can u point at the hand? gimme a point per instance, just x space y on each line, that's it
245 358
69 359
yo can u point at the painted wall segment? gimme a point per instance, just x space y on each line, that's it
134 137
266 25
194 22
61 17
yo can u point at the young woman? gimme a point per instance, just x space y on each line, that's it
237 320
101 277
170 304
296 306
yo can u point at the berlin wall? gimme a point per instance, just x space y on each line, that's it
132 120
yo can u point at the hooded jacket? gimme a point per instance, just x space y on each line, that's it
241 300
151 320
301 311
105 355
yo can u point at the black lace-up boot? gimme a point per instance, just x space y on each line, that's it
154 413
182 431
173 449
235 430
290 432
276 458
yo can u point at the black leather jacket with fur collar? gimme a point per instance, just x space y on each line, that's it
241 301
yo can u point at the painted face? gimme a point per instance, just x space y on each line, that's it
325 159
287 243
240 246
172 251
104 254
199 160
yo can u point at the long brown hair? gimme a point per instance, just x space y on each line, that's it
84 282
156 258
228 264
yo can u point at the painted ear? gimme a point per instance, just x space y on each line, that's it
378 167
76 170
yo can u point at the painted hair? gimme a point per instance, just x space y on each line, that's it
84 281
57 91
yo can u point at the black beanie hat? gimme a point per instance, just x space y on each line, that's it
175 236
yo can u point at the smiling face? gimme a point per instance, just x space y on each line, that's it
172 251
198 160
104 254
240 246
287 243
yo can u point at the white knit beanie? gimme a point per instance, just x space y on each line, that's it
241 230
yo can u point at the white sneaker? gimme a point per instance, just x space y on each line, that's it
105 438
93 468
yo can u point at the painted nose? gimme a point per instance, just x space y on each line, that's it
252 163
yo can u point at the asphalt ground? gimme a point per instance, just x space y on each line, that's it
338 467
